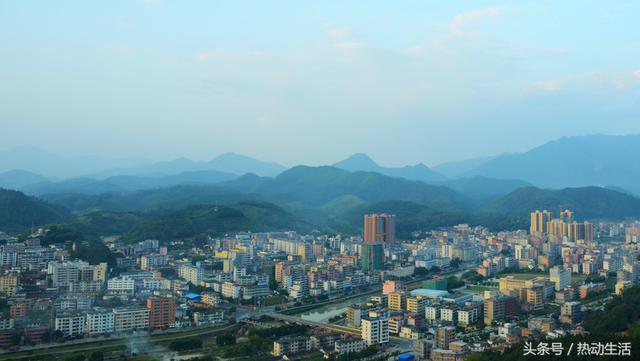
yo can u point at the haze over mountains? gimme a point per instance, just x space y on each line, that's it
599 160
496 191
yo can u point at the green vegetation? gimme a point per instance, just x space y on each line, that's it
226 339
453 282
618 322
191 343
302 198
215 220
19 212
257 345
587 202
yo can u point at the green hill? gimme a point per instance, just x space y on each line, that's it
587 202
175 197
409 216
204 220
19 212
316 186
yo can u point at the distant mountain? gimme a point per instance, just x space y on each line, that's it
203 177
126 183
171 198
240 164
484 188
52 165
362 162
19 212
587 202
18 178
456 169
316 186
208 220
230 163
73 185
410 216
594 160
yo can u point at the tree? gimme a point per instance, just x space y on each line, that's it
420 271
96 356
273 284
455 263
225 339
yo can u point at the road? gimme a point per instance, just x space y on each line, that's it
109 344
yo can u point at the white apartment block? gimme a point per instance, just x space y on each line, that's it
99 321
72 324
375 330
130 318
468 316
121 284
231 290
190 273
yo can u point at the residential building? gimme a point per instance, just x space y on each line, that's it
379 228
130 318
375 330
162 311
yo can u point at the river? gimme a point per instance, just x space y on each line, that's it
324 313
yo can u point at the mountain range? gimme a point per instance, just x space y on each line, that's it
496 191
599 160
362 162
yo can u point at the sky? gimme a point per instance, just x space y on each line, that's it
302 82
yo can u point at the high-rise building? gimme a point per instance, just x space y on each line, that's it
422 349
390 286
278 272
556 229
371 257
571 312
395 301
580 231
304 251
130 318
560 277
375 330
567 216
416 304
539 222
379 228
444 336
494 309
162 311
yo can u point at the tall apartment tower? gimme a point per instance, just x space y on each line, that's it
567 216
162 311
539 222
379 228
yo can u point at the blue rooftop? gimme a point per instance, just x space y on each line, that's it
429 293
192 296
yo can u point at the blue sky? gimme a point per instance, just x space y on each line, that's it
295 82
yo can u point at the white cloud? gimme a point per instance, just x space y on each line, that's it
225 55
548 85
342 36
351 45
460 24
636 73
416 50
338 32
266 121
